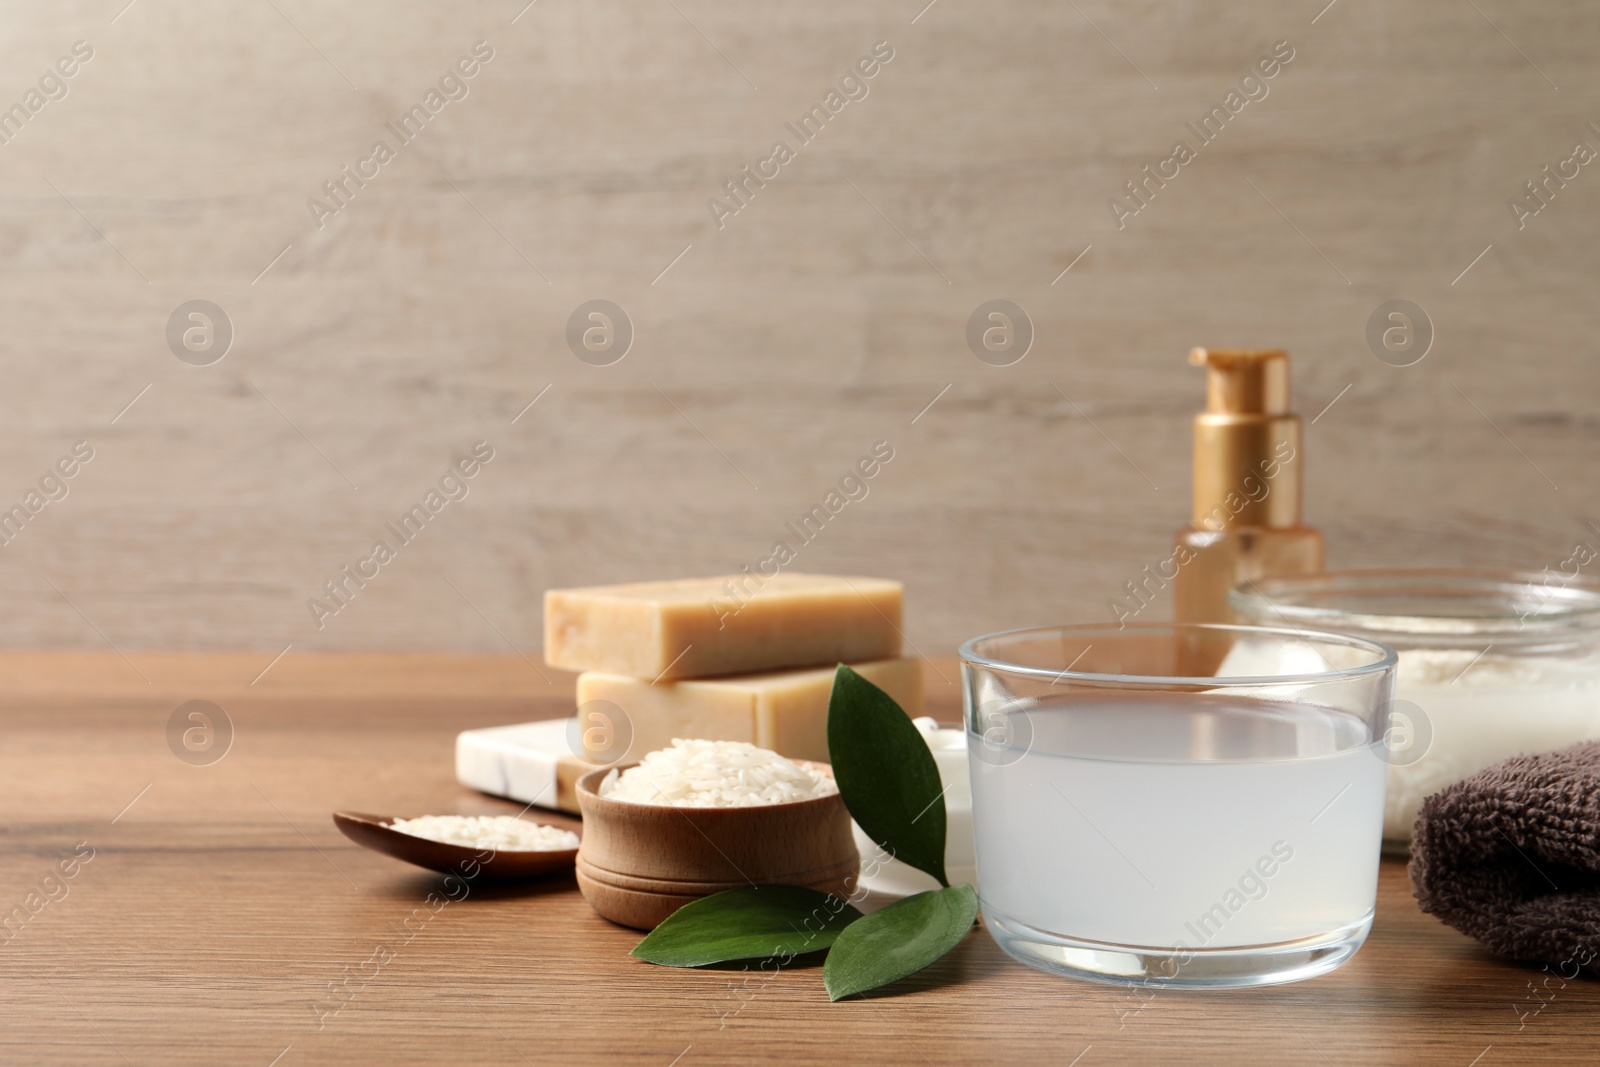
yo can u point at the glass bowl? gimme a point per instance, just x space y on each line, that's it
1142 817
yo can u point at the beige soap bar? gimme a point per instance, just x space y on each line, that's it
699 627
785 711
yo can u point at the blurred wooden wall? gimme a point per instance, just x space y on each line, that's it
773 351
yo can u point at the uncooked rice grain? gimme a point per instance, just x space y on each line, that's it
500 833
716 774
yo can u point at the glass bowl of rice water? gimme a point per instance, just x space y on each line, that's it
1178 805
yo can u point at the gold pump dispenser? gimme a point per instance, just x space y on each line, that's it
1245 518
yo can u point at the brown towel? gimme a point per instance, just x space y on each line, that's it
1511 856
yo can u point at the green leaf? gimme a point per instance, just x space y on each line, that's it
753 922
900 940
885 773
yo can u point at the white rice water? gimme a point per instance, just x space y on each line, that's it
1210 821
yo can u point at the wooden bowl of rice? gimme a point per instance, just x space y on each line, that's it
641 861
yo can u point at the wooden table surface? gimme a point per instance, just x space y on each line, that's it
220 903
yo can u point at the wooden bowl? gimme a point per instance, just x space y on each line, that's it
639 863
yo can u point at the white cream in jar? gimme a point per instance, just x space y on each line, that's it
1476 709
1492 664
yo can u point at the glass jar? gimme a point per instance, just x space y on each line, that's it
1492 663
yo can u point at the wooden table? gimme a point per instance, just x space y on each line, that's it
220 903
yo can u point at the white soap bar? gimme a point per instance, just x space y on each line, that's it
530 761
889 877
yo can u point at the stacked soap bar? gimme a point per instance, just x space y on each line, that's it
785 711
725 659
735 658
703 627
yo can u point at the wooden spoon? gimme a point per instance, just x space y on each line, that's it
374 832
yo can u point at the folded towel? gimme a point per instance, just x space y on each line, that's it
1511 856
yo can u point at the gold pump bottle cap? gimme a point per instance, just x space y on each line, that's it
1247 458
